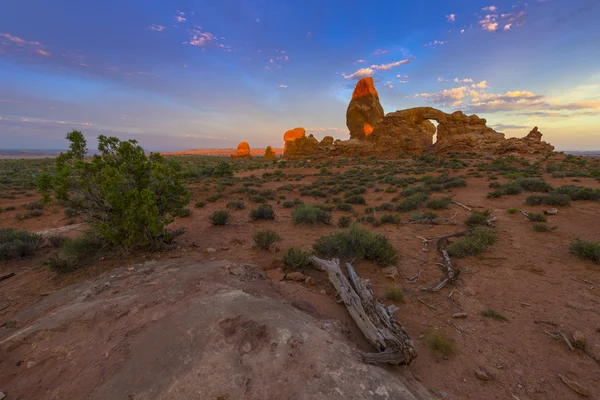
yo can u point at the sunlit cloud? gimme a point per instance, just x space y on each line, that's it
202 39
480 85
368 71
451 17
465 80
489 8
448 97
436 43
507 27
489 23
180 17
380 52
157 28
282 86
389 84
34 46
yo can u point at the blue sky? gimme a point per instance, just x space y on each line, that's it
209 74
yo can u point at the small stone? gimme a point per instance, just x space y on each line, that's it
459 315
209 250
276 275
296 276
273 248
224 248
2 395
390 273
310 281
481 374
323 292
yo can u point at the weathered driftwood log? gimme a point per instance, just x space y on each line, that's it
451 272
462 205
373 319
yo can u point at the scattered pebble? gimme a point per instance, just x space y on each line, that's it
209 250
481 374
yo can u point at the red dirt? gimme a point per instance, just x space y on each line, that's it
526 275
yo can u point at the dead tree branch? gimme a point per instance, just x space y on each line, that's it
462 205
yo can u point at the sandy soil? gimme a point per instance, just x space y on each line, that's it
528 276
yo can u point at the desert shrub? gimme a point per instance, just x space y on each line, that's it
57 240
474 243
586 249
29 214
391 189
385 207
422 216
579 192
439 203
493 315
17 244
200 204
288 204
344 221
478 218
35 205
265 238
214 197
495 194
264 211
534 185
182 213
357 199
128 198
395 294
495 185
438 340
219 217
344 207
258 199
10 208
356 191
390 219
62 264
295 258
512 210
542 227
552 199
357 242
412 190
236 205
537 217
412 202
512 188
325 207
307 214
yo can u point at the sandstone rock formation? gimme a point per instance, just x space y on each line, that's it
185 330
243 151
298 145
529 144
364 111
269 154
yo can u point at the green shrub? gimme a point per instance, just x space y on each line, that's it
307 214
474 243
258 199
390 219
17 244
512 210
357 199
478 218
264 211
200 204
236 205
344 221
344 207
265 238
512 188
29 214
219 217
214 197
495 194
182 213
439 203
62 264
552 199
413 202
534 185
537 217
128 198
357 242
296 258
57 240
288 204
579 192
394 294
494 315
438 340
542 227
422 216
35 205
586 249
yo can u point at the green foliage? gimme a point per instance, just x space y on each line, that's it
288 204
357 199
219 217
493 315
344 221
438 340
295 258
17 244
344 207
214 197
265 238
307 214
413 202
423 216
236 205
62 264
512 210
264 211
537 217
200 204
542 227
357 242
395 294
478 218
474 243
579 192
512 188
29 214
439 203
182 213
534 185
552 199
57 240
586 249
33 206
127 197
390 219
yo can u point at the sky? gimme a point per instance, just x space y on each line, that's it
208 74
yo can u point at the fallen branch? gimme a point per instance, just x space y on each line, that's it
490 222
6 276
429 306
554 211
374 320
576 387
462 205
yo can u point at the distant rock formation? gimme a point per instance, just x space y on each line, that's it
529 144
243 151
364 111
298 145
269 154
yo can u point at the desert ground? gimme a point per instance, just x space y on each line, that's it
515 301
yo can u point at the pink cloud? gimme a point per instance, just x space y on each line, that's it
451 17
157 28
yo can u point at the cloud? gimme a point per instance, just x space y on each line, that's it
180 17
34 46
380 52
360 61
202 39
507 27
440 79
462 31
282 86
488 23
448 97
501 127
480 85
389 84
465 80
489 8
46 121
436 43
157 28
368 71
451 17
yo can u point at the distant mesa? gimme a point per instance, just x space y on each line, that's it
408 132
243 151
270 154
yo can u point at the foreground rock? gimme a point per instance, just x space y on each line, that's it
364 111
243 151
184 330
